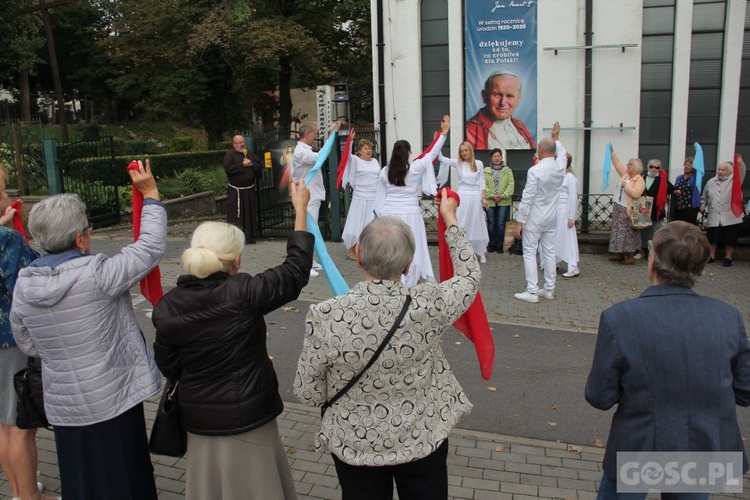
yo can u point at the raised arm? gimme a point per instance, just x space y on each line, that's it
622 170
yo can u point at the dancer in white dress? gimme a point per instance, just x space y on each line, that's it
398 194
362 174
566 242
471 189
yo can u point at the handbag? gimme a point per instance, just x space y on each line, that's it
639 212
517 247
30 408
374 357
167 434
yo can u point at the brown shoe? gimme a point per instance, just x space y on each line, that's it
618 257
628 262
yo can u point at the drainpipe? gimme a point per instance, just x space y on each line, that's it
589 35
381 81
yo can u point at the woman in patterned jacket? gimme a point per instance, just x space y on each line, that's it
394 422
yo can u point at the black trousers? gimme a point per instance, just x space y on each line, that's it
423 479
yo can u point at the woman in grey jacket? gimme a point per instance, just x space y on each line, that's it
72 309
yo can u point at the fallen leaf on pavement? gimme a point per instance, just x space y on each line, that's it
283 328
292 451
457 343
500 448
492 388
289 308
516 336
552 423
270 357
522 395
559 441
554 407
576 449
599 443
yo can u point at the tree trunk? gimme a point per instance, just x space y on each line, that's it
285 93
23 85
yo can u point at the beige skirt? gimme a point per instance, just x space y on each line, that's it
247 466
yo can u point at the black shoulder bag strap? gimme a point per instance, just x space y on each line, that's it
374 357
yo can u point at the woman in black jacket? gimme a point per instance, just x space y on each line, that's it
211 336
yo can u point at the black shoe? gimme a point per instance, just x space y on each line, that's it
727 263
500 250
711 260
490 249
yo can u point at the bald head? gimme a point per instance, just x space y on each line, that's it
546 148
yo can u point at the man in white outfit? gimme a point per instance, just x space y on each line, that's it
303 160
537 216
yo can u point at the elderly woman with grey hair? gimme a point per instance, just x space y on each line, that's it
72 309
624 241
723 226
394 422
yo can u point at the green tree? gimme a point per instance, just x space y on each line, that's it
21 40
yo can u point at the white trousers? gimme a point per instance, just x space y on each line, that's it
313 207
544 242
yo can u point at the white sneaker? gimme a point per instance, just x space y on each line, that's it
528 297
316 266
572 274
482 259
314 273
547 294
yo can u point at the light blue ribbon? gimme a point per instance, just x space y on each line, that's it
335 280
698 166
607 166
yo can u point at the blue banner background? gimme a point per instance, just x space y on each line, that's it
494 28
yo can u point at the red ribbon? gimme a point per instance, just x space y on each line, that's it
473 324
661 195
17 220
737 204
344 158
151 284
429 148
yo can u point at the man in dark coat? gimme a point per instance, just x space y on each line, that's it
675 363
243 169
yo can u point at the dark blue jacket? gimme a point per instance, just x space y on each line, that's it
676 364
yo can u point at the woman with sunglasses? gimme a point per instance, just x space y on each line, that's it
659 188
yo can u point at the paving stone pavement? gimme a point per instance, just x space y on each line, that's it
481 465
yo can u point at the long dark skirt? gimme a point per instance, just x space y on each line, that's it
246 217
107 460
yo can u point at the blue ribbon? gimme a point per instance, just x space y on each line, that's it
335 280
607 166
700 168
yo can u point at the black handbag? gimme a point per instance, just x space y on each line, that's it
167 434
30 392
356 378
517 247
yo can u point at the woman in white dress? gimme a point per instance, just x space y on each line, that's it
566 244
362 174
398 194
471 189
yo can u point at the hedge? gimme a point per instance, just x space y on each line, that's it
163 166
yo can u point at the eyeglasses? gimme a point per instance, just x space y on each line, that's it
88 228
655 167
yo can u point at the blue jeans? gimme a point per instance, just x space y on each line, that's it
496 217
608 491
